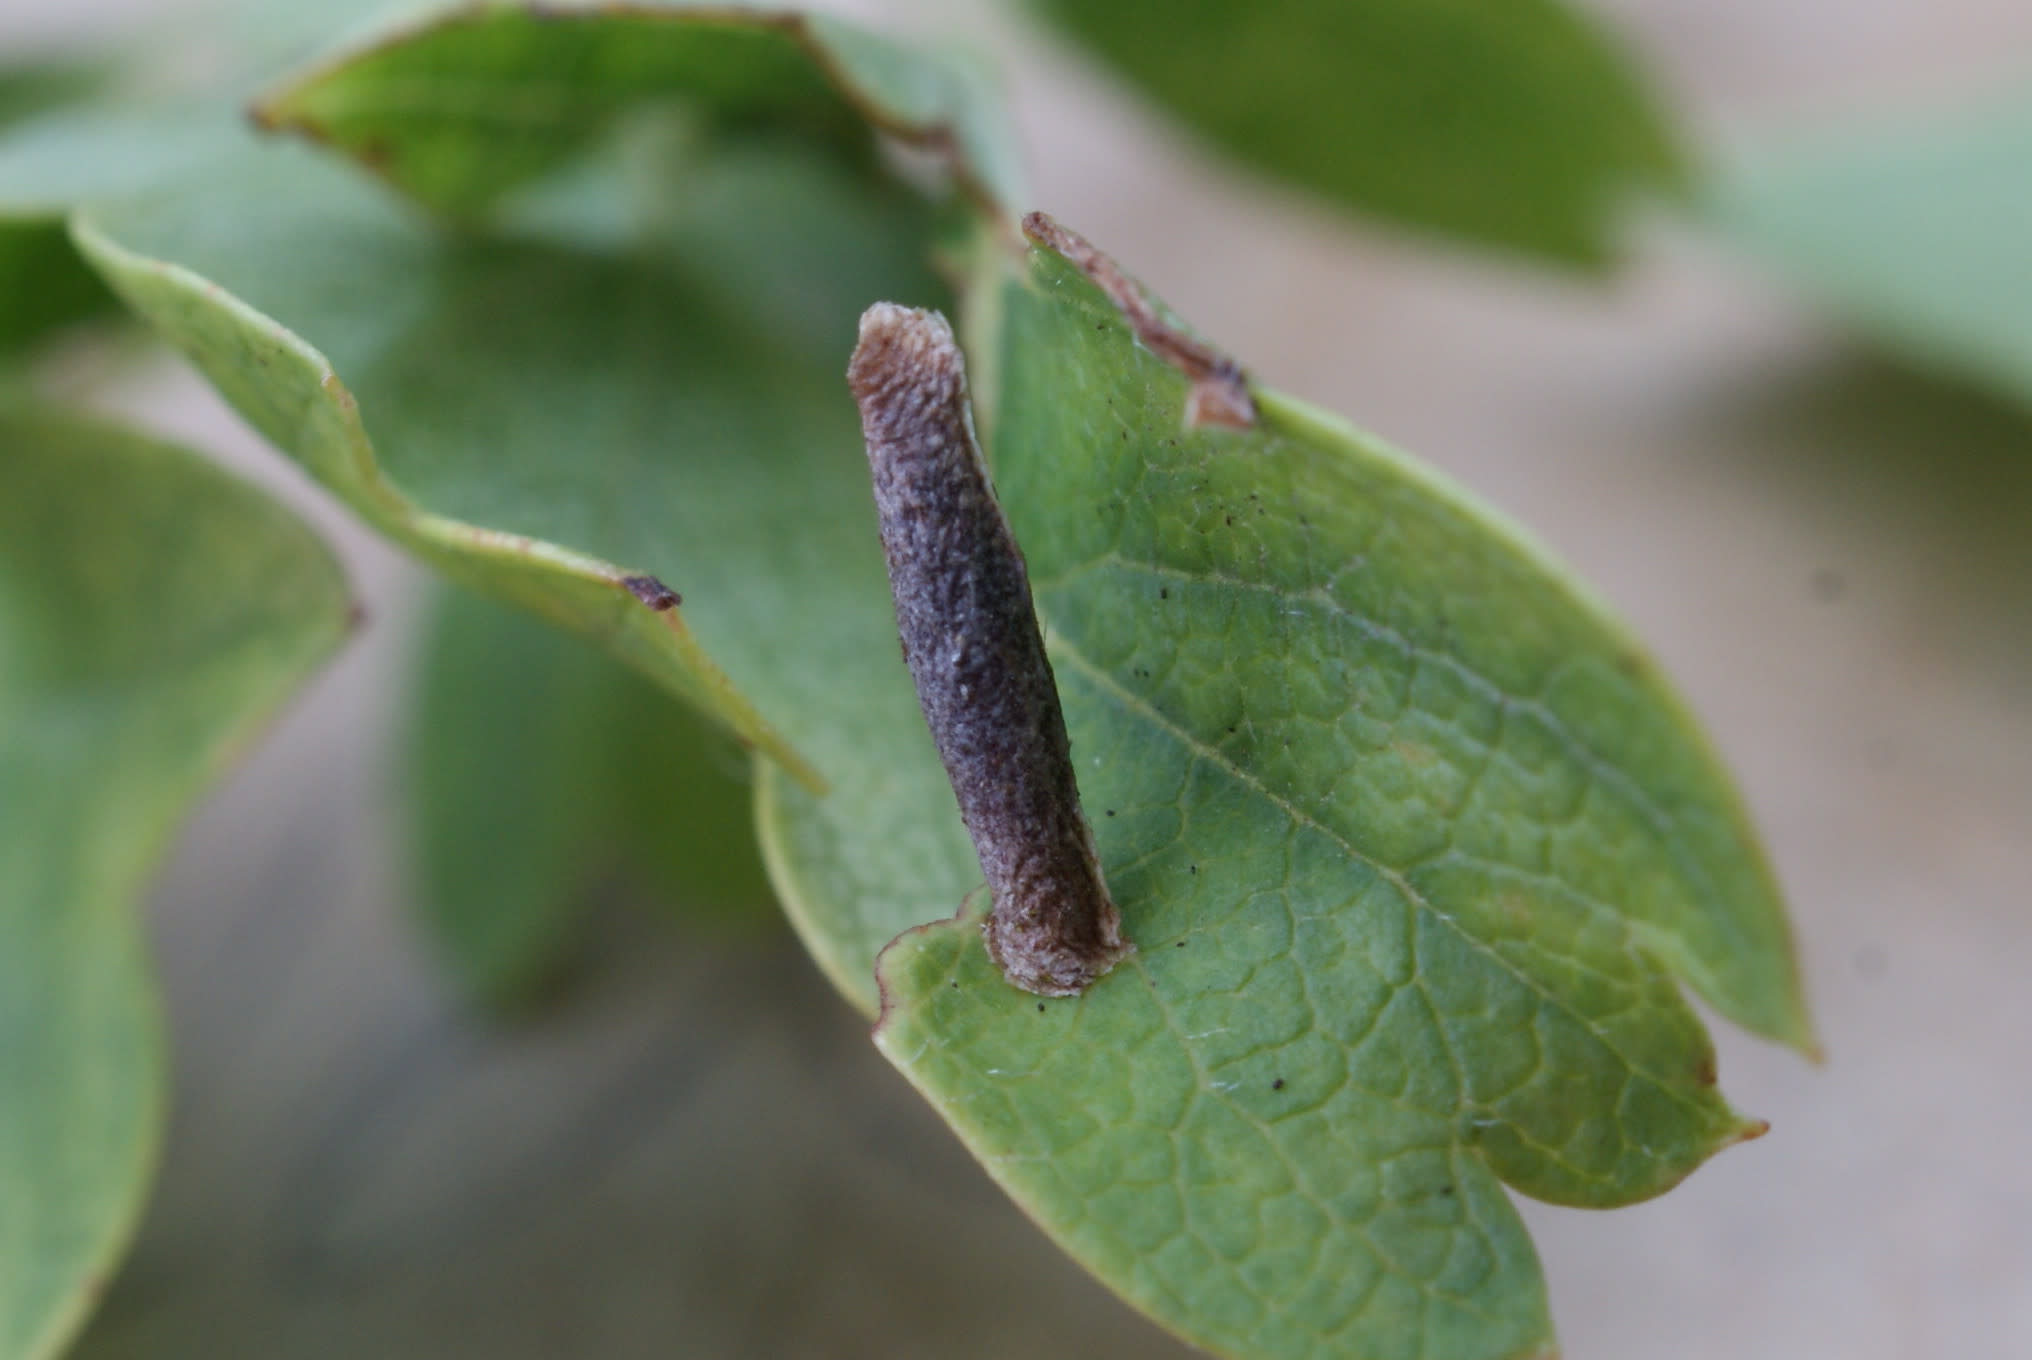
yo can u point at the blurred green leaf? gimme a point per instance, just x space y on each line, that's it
1415 847
63 157
1914 233
528 410
456 336
534 766
1515 123
153 613
466 102
43 284
31 87
649 377
523 410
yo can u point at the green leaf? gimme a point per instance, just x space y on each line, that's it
43 284
508 409
1515 124
525 410
1480 843
1415 847
481 366
31 87
63 157
1912 233
323 302
153 613
532 765
467 102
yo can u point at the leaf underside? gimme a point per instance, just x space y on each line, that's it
153 612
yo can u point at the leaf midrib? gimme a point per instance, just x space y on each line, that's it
1596 766
1061 648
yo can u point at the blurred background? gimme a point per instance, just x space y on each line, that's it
696 1151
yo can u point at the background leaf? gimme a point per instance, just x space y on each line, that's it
535 766
647 375
585 383
61 157
1515 124
46 285
465 103
1412 842
43 282
327 261
153 612
1913 233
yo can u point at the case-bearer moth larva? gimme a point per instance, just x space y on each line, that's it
970 637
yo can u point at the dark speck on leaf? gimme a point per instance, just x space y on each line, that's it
1181 944
652 592
1111 812
1277 1085
1227 519
1040 1008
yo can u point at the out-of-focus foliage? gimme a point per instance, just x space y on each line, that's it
1511 123
1917 234
153 613
535 768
